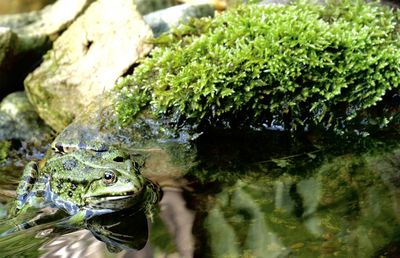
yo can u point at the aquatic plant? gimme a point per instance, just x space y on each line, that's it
294 66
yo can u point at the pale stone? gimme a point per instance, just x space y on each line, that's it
87 59
25 37
48 21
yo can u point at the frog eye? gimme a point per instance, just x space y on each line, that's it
109 177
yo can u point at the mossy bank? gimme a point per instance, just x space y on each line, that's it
293 66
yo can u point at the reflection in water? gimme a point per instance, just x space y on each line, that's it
342 206
123 230
178 219
245 215
348 207
120 230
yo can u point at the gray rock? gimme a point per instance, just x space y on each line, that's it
148 6
163 20
18 119
49 21
87 59
27 36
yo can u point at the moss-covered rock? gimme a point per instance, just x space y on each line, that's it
293 65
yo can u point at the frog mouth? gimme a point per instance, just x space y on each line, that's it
114 202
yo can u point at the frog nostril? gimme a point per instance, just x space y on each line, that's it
118 159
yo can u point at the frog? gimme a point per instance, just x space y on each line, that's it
84 179
96 167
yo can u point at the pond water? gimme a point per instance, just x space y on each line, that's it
247 198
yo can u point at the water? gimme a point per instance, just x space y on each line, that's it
249 197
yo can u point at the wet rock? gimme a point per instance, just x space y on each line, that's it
87 59
27 36
162 21
18 120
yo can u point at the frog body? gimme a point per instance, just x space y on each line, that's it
95 167
83 180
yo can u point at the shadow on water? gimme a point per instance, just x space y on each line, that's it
258 195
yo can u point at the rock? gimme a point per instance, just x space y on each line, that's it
18 120
148 6
163 20
19 6
87 59
8 41
27 36
47 22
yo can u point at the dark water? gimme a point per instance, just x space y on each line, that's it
272 198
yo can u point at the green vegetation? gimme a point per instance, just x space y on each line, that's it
293 65
4 149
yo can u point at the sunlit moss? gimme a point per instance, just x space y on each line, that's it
293 65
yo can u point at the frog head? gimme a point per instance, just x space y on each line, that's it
97 179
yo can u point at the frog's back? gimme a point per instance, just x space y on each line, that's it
166 151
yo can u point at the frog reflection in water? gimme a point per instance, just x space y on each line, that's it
83 181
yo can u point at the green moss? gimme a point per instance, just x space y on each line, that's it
4 150
293 65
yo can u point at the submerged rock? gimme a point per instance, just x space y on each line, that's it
18 120
87 59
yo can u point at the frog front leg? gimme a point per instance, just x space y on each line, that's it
24 189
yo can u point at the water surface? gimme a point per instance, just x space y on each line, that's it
272 198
